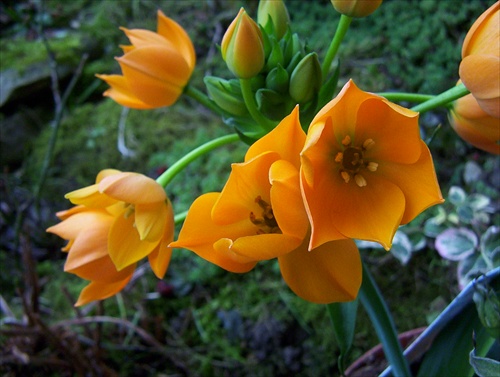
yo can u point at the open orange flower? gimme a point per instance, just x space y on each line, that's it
260 215
156 67
117 221
480 66
473 125
365 169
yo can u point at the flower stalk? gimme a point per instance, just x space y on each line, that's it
342 28
442 99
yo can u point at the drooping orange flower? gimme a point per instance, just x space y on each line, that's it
156 67
365 169
119 220
475 126
260 215
480 66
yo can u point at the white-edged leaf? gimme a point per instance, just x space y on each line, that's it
472 172
470 268
456 195
456 243
401 247
478 201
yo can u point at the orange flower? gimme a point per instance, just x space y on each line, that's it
365 169
156 67
480 66
260 215
117 221
356 8
475 126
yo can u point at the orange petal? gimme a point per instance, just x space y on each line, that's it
286 199
121 92
124 245
329 273
63 215
151 220
133 188
394 130
72 226
105 173
200 235
90 197
142 37
246 182
482 37
264 246
288 129
159 258
100 291
172 31
481 75
101 270
417 181
155 74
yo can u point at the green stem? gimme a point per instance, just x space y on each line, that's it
180 217
342 28
377 310
203 99
179 165
409 97
248 96
442 99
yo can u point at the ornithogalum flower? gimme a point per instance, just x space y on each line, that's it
356 8
260 215
242 47
480 66
365 169
473 125
156 67
119 220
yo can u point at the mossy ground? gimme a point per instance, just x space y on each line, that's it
210 322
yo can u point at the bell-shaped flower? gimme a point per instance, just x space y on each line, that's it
242 47
473 125
156 66
480 66
365 169
119 220
356 8
260 215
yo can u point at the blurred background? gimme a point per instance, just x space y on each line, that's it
200 320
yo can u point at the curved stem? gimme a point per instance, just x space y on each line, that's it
179 165
442 99
251 105
180 217
409 97
203 99
342 28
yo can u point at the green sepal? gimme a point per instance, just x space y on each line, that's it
327 91
275 58
272 105
293 62
246 128
226 94
277 80
306 79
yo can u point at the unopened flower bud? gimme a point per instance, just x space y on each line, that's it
242 47
356 8
306 79
226 94
274 12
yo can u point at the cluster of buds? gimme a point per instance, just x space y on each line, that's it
281 72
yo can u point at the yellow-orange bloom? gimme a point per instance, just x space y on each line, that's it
119 220
260 215
365 169
475 126
480 66
156 67
356 8
242 47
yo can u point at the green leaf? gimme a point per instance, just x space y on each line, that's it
483 367
456 243
470 268
456 195
401 247
478 202
379 314
490 245
472 172
343 316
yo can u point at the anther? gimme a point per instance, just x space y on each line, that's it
372 166
368 144
339 157
360 180
346 141
345 176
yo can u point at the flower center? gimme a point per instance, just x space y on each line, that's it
353 161
267 222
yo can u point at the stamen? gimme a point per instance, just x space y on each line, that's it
360 180
345 176
339 157
355 159
368 144
372 166
346 141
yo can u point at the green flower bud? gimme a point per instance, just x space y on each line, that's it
273 16
306 79
226 94
277 79
242 47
